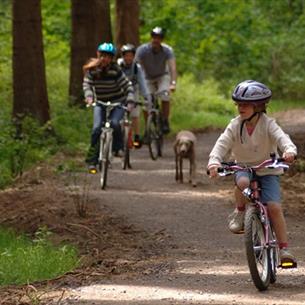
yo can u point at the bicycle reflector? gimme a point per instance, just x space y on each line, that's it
92 171
288 264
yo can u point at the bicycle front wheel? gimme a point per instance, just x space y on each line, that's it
105 147
273 254
127 144
256 250
153 136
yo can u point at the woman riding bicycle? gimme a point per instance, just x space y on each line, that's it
105 81
250 138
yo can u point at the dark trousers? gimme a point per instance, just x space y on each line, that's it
99 118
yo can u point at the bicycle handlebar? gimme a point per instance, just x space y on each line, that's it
229 168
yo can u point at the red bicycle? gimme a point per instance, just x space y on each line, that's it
262 249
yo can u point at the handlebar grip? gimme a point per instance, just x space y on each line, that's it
219 170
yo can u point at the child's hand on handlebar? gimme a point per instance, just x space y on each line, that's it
289 157
213 171
89 100
130 106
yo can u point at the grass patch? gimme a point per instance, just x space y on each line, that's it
23 261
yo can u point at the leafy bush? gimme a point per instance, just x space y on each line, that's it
199 105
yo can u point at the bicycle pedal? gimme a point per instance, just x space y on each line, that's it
93 171
288 264
137 145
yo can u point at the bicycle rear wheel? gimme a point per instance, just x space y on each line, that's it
153 136
127 142
104 162
256 250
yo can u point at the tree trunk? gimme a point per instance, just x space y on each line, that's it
91 25
29 79
127 22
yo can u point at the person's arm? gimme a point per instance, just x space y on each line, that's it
87 88
220 150
143 86
283 140
173 73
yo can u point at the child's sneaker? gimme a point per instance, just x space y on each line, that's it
236 224
137 143
92 169
287 259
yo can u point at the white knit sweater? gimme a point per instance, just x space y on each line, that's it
266 138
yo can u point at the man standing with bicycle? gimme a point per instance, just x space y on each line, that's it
159 65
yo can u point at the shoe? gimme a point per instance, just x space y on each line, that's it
137 143
236 224
92 169
165 127
287 260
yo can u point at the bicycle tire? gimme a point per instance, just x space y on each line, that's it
152 136
126 155
257 253
160 133
273 253
105 160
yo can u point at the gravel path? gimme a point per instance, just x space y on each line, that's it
204 263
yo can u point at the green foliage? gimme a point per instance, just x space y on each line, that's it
199 105
56 30
23 260
234 40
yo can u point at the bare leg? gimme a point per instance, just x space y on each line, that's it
278 221
165 109
240 199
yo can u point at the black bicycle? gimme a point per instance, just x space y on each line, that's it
154 129
127 137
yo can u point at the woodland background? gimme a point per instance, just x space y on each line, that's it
43 45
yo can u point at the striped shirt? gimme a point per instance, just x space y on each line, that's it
109 84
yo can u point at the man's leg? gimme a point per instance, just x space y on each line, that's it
165 116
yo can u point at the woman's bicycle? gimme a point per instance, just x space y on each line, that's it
262 249
106 139
154 129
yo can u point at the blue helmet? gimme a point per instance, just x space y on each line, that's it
107 48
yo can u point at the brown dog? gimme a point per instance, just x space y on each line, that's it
184 148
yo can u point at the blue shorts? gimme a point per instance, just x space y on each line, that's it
269 185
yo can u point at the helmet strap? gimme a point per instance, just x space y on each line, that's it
244 122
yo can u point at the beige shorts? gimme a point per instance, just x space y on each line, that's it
135 112
161 86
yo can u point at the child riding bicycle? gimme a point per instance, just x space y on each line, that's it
135 74
105 81
250 138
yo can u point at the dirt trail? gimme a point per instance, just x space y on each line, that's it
202 262
163 243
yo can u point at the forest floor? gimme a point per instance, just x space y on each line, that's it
148 240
